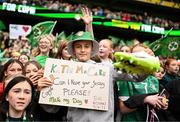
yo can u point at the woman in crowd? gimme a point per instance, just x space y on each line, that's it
45 45
17 100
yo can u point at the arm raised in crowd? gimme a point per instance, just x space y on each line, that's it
87 19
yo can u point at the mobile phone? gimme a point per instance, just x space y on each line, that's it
164 93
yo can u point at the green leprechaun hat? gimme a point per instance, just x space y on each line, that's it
83 36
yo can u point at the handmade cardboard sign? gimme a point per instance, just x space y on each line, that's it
76 84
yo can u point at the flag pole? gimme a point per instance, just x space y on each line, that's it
162 37
53 27
168 33
56 39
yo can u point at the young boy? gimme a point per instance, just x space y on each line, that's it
82 48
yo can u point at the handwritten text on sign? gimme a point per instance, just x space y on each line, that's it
76 84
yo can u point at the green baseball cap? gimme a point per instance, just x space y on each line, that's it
85 36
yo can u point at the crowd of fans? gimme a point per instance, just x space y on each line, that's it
22 60
13 48
133 97
103 12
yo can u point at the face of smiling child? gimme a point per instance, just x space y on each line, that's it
82 50
44 45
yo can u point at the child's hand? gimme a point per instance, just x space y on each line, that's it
35 78
154 100
44 82
87 15
165 103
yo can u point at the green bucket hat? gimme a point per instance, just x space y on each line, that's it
85 36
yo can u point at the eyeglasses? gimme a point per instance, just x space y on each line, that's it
41 42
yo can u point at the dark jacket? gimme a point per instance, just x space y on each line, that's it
29 118
58 116
169 77
173 88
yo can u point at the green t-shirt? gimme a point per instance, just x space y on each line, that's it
41 60
128 89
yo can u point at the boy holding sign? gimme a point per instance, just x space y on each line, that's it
82 47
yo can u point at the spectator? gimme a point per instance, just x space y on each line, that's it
172 70
62 51
16 101
23 58
45 45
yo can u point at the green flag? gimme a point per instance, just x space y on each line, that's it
69 38
122 43
166 47
114 39
40 29
129 42
147 43
61 36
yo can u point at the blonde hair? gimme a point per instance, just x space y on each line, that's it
35 51
111 46
49 37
